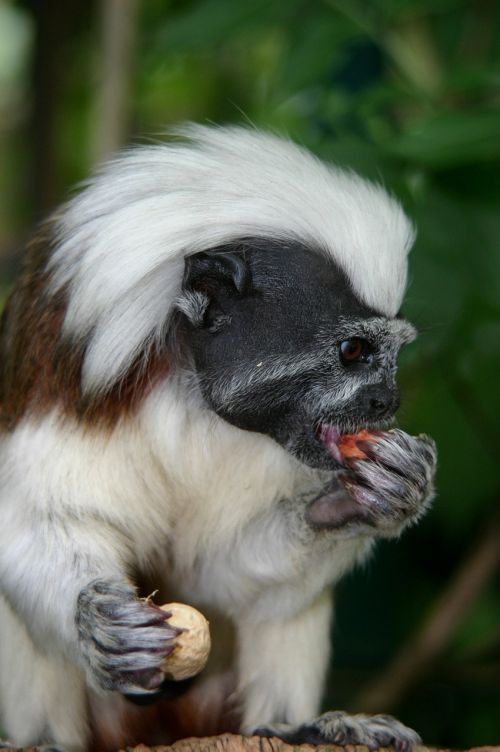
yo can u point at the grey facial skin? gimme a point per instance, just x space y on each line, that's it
265 341
328 387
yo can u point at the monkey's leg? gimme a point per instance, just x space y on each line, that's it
283 663
48 571
383 494
42 697
71 590
283 666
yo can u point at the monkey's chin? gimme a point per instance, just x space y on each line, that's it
317 458
309 448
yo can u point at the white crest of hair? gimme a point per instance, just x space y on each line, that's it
122 241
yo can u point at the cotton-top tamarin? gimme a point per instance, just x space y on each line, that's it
189 340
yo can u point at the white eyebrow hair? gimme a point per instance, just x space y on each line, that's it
268 369
402 331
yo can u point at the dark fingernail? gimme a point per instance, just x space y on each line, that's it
174 631
399 490
154 680
363 496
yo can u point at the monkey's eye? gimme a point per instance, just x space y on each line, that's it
355 350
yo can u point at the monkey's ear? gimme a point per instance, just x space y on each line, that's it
208 273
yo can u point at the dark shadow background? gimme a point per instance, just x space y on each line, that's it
406 92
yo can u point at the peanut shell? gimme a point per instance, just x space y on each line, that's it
192 646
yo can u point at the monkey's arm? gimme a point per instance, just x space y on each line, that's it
66 576
283 661
282 668
283 664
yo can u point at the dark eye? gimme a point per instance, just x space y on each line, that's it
354 349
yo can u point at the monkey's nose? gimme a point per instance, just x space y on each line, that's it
378 405
380 401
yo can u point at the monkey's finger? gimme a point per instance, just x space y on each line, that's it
366 496
148 680
137 681
381 481
413 458
397 438
158 639
137 660
127 670
337 510
132 614
116 602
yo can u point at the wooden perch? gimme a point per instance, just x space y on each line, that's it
235 743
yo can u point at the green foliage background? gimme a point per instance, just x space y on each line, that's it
407 92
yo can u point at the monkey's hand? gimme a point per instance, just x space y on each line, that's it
123 640
337 727
383 493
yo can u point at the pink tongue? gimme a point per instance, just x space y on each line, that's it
329 435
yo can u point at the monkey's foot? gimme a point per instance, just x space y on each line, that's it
337 727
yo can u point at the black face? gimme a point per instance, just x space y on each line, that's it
282 346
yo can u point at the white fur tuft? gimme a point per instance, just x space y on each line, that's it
123 240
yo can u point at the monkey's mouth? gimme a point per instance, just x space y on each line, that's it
329 436
340 441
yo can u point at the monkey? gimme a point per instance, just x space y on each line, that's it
190 335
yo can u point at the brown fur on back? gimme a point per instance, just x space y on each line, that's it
39 369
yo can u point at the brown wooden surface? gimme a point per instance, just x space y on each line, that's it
234 743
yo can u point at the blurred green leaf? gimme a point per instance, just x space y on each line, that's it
450 139
406 92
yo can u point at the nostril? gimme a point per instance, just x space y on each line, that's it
378 404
